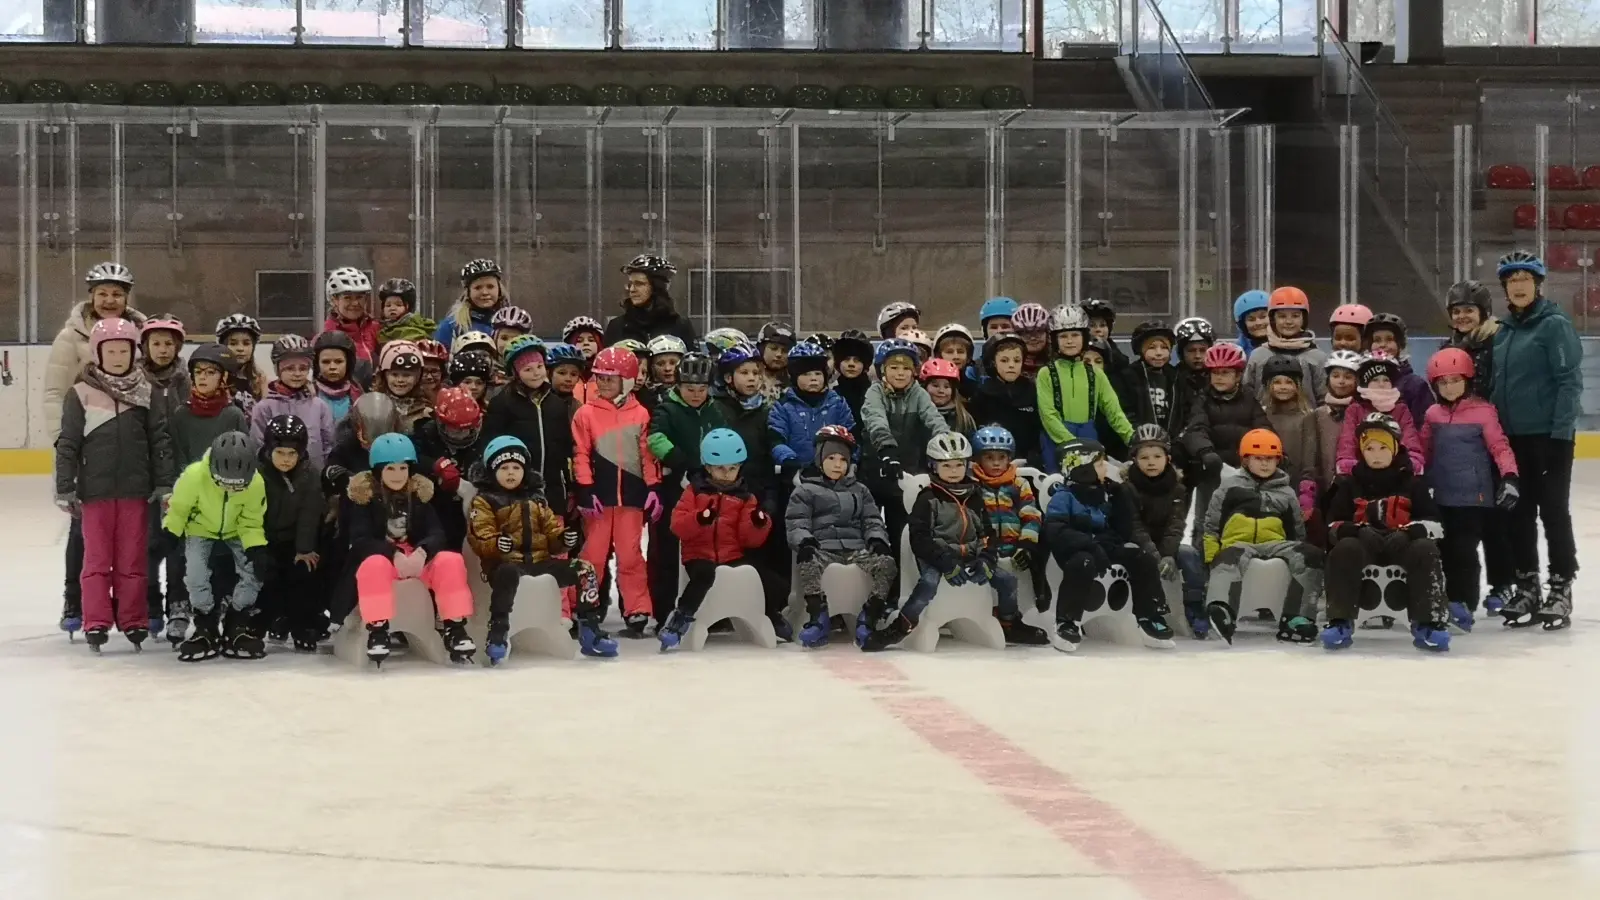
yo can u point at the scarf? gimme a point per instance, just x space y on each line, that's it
279 389
1302 341
409 405
1382 399
129 390
753 401
207 407
162 376
1337 404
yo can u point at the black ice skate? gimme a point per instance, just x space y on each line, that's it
1555 613
243 640
1221 616
203 643
278 631
137 637
1155 633
1520 609
378 642
454 634
1020 632
97 637
634 625
887 637
1068 636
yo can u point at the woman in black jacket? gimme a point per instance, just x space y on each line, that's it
647 310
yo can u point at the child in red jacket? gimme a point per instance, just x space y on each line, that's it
616 479
719 522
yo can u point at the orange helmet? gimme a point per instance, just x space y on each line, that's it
1288 297
1261 442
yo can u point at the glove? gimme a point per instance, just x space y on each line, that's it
707 516
410 565
877 546
1168 568
806 552
591 508
569 538
68 503
504 544
1022 559
891 468
979 572
759 517
1507 495
652 506
448 476
1212 464
956 577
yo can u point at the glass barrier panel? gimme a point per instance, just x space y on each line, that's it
1040 194
1130 228
1573 23
460 23
564 25
1475 23
871 24
14 222
548 268
1198 24
1508 167
255 22
77 177
371 175
460 209
1275 26
24 20
629 193
670 24
770 24
975 24
354 22
1371 20
752 272
1078 22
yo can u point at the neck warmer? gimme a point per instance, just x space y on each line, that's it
345 388
160 376
207 407
1302 341
810 398
961 490
129 390
1144 484
279 389
1336 403
753 401
1382 399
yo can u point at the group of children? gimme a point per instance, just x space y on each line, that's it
377 453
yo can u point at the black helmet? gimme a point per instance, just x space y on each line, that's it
1100 309
651 266
336 340
1468 293
286 430
478 268
470 365
1193 330
696 368
233 459
1388 322
776 333
1281 365
1149 433
853 343
399 287
1144 331
214 354
292 346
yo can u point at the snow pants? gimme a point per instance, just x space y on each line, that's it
162 547
445 576
574 573
198 552
929 578
1544 470
1425 600
1305 575
618 529
882 570
114 540
289 595
664 553
1080 581
1465 527
702 573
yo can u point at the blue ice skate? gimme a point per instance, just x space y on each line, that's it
1338 635
595 643
1430 636
815 632
671 634
1461 617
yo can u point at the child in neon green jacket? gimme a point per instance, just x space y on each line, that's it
1071 392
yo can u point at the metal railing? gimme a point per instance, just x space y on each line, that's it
1151 52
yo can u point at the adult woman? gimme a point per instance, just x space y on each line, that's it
483 292
1537 383
647 309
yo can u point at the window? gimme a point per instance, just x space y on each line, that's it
744 299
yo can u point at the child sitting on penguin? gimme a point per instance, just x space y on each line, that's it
1016 518
1162 500
515 533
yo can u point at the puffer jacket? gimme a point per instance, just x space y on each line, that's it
1163 506
1346 454
1248 510
202 508
731 533
1415 392
949 526
676 430
169 389
69 353
1479 344
1083 514
750 423
612 459
1538 378
283 401
839 514
1218 422
1303 350
1466 448
294 503
899 424
1013 510
372 506
109 450
794 423
1138 386
192 433
1387 499
1013 405
1071 394
541 419
535 530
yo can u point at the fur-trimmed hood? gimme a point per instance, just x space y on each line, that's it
363 486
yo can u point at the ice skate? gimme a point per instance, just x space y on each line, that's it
1199 625
671 634
306 640
497 645
454 634
1021 633
1221 616
158 625
1555 613
378 642
633 626
1461 617
1520 608
1155 633
1433 636
1067 637
97 637
781 629
889 636
71 618
278 631
1499 596
203 643
1297 630
815 632
1338 635
594 642
178 625
242 641
137 637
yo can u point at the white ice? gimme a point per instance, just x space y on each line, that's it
1260 771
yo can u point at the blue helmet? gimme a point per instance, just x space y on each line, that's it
807 357
526 343
723 447
1249 302
557 354
737 355
995 308
505 449
892 346
1520 261
993 437
391 448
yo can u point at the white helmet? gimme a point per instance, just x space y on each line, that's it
109 273
920 338
468 339
1068 317
896 310
348 280
666 343
1349 360
954 328
948 446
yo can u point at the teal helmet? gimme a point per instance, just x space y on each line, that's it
391 448
723 447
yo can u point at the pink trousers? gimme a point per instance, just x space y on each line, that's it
619 528
115 533
445 575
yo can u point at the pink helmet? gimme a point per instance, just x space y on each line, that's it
1451 361
1030 317
939 368
1225 355
401 354
112 330
617 361
162 323
1350 314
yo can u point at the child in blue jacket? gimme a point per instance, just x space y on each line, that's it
806 406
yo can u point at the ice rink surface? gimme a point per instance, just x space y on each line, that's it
1204 773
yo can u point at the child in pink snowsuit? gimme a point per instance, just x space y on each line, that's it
394 535
1377 377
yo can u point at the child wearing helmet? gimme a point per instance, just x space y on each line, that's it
1161 499
473 373
516 533
1006 396
953 343
1192 337
291 394
566 367
1070 393
1383 514
1102 318
483 293
531 410
994 316
1288 411
1472 328
666 351
509 323
435 357
395 535
1322 442
680 421
1014 512
1473 473
585 334
747 412
1031 322
720 521
775 341
349 293
1347 327
400 377
289 600
1288 309
897 320
1221 415
453 439
832 518
942 380
1252 320
1150 388
160 339
897 420
397 311
616 479
1376 378
106 474
208 410
852 364
220 504
338 372
1387 332
238 335
1254 514
807 405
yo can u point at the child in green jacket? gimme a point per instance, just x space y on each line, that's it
1071 393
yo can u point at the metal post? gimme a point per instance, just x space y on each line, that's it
72 196
1353 179
27 227
117 172
1469 163
1541 196
594 146
1072 203
421 262
795 300
1221 214
708 221
990 210
319 215
1185 273
1345 293
1269 204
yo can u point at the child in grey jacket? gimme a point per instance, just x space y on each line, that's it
898 419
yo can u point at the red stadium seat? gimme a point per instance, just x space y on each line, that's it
1525 217
1589 301
1591 178
1583 216
1562 258
1563 178
1507 177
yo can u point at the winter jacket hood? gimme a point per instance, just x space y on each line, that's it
794 422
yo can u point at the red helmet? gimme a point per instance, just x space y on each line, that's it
1225 355
1350 314
939 368
432 349
1288 297
1451 361
616 361
835 433
455 408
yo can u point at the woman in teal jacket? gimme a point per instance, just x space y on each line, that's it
1537 383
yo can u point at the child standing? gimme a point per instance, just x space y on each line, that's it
898 419
852 355
1472 328
666 352
1150 390
616 479
567 367
942 380
209 410
1031 322
473 372
1347 327
775 341
1387 333
435 357
1376 379
831 518
1162 501
954 343
483 293
1220 417
1472 472
806 406
349 294
400 376
1192 338
531 411
1288 309
896 320
994 316
289 600
747 413
238 335
1326 422
397 309
160 339
1016 518
291 394
1285 401
1251 319
584 333
509 322
1007 397
221 500
679 423
515 533
1102 318
1384 514
1071 393
1253 515
336 360
1090 525
113 457
395 535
